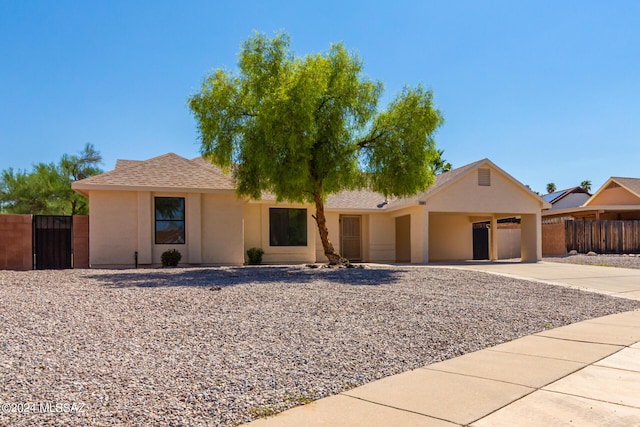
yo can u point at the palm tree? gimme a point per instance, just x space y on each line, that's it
586 185
551 187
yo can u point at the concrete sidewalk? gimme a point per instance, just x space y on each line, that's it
584 374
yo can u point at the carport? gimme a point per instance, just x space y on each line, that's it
438 225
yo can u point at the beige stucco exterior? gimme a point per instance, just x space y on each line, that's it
613 196
122 223
256 227
220 226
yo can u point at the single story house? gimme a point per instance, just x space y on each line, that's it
617 199
143 208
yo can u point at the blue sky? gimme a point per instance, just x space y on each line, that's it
546 89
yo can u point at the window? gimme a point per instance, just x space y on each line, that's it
484 177
287 227
169 220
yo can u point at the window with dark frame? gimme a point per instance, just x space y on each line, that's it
287 227
169 221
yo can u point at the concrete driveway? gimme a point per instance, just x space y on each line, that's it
620 282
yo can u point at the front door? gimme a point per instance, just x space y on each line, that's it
351 237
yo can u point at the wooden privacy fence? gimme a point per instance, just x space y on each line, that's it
603 236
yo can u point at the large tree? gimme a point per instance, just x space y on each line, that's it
306 127
46 189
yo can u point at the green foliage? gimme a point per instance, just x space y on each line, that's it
46 189
439 164
255 255
170 258
586 185
551 187
306 127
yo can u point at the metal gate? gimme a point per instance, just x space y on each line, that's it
481 241
52 237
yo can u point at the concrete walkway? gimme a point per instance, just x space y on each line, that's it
584 374
619 282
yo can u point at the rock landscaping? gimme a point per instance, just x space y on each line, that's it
223 346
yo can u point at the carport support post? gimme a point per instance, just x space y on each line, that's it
531 237
425 236
493 239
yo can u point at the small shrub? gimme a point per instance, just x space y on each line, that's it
255 256
170 258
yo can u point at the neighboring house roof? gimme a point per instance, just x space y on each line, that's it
171 172
594 203
560 194
631 184
168 172
569 198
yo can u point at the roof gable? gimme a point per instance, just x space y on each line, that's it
617 191
369 200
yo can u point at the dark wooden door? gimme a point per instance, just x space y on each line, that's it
351 237
52 247
481 241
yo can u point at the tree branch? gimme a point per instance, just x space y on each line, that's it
374 136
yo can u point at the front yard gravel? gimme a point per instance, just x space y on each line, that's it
222 346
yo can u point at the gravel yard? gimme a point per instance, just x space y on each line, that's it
222 346
624 261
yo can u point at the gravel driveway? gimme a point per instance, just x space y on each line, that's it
221 346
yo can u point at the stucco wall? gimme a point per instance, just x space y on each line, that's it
382 238
16 242
252 227
222 225
256 230
614 196
531 233
113 228
509 243
466 195
450 237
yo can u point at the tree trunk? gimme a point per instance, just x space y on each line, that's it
329 251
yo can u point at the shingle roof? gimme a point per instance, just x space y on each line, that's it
122 163
367 199
356 199
171 171
632 184
166 171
